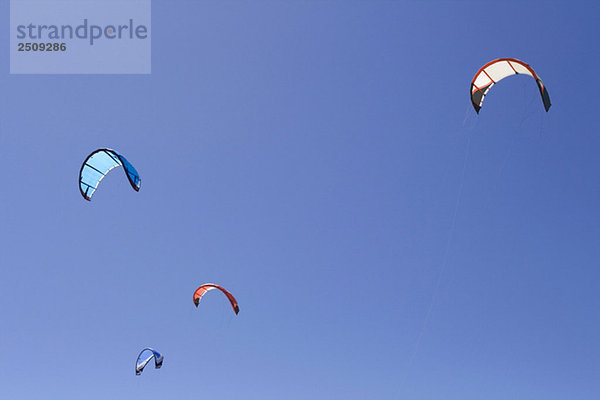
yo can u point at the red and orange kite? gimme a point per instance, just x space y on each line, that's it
210 286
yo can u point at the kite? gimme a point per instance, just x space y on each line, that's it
144 358
494 71
98 164
210 286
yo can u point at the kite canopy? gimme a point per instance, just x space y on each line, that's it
98 164
144 358
494 71
210 286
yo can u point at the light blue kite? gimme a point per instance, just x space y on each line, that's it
144 358
98 164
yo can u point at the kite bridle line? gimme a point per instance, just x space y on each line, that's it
440 275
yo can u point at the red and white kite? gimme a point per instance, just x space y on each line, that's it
494 71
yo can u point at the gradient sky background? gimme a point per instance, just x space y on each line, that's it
309 156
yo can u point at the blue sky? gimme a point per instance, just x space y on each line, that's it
322 161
